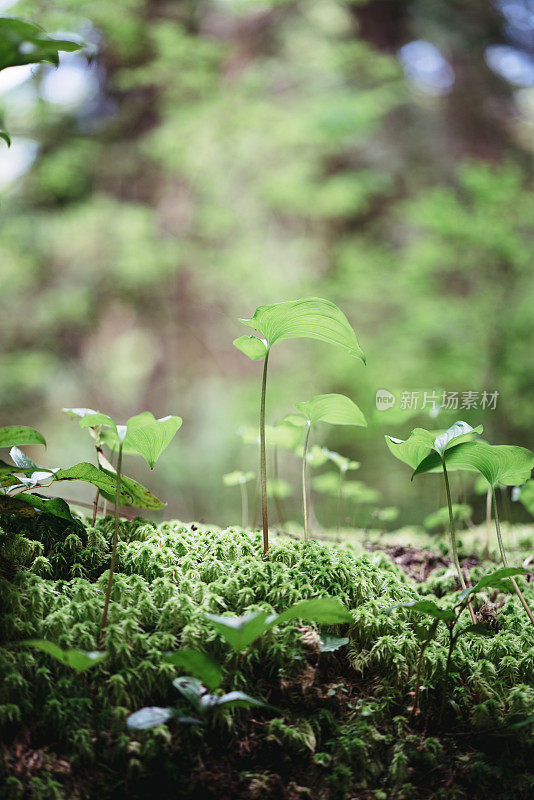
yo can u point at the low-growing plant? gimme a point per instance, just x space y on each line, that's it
337 409
240 479
309 318
417 447
508 465
142 435
450 616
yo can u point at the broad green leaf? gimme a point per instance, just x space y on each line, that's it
427 607
457 433
236 478
506 464
79 660
24 42
6 137
240 632
149 717
251 346
414 449
337 409
495 580
132 493
48 505
308 318
199 664
323 610
331 643
460 512
238 700
94 419
19 435
22 461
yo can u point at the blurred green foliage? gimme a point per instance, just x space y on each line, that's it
221 155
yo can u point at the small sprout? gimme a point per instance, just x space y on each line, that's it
337 409
240 479
439 518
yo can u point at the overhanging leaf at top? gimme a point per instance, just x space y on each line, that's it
502 463
19 435
307 318
337 409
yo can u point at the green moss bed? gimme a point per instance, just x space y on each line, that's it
340 726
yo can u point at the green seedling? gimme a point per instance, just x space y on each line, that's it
204 704
337 409
344 465
143 435
499 464
416 449
502 580
308 318
240 479
241 632
78 660
96 435
439 518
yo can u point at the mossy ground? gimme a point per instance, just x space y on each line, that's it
341 728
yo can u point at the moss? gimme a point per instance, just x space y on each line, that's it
342 727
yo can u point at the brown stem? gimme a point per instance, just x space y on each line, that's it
263 461
95 507
113 550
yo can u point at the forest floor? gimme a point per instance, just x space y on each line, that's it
339 725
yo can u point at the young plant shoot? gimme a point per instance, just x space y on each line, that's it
337 409
499 464
240 479
344 465
417 448
143 435
308 318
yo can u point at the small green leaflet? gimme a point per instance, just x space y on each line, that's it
142 434
79 660
495 580
427 607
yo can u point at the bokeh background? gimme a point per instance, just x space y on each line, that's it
213 156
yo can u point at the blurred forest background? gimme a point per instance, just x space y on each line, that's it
215 155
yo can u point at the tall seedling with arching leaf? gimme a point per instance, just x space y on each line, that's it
142 434
308 318
499 464
337 409
417 447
